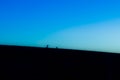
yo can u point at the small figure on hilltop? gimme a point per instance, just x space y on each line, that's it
56 47
47 46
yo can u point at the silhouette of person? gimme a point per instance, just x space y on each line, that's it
56 47
47 46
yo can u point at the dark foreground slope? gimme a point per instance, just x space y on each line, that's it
30 63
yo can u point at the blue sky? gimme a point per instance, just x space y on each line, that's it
27 22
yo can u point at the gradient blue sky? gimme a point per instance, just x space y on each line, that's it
28 22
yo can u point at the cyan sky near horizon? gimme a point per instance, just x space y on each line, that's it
28 22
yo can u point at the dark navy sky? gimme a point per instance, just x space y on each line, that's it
24 22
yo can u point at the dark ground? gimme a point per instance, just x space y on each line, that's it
29 63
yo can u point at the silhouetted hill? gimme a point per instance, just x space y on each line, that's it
34 63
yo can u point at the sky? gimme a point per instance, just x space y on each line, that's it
71 24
